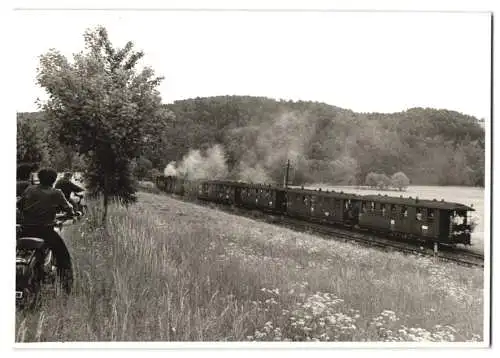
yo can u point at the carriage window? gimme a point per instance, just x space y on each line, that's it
363 207
383 209
404 211
372 206
419 214
430 214
393 209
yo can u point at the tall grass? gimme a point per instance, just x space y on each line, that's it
165 270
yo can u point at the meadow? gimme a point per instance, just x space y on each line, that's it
168 270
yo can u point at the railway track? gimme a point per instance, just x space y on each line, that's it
459 256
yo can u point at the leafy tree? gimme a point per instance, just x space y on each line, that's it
400 180
345 170
30 143
383 181
102 106
142 168
259 134
377 180
155 173
371 180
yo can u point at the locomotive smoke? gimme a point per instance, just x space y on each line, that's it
273 143
197 165
170 169
267 147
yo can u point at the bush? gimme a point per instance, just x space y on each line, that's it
376 180
141 168
383 181
371 180
400 181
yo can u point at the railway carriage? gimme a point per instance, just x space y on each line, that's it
428 220
176 185
160 181
322 206
263 197
408 218
170 184
217 191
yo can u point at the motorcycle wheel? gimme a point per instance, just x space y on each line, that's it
54 282
31 291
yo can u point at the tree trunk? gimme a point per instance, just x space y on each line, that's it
105 200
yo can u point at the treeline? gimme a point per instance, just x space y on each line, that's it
38 144
330 144
325 144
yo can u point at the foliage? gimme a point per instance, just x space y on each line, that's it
383 181
371 180
377 180
31 147
141 168
103 108
329 144
400 181
324 143
173 271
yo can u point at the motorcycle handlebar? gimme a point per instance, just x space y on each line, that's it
61 218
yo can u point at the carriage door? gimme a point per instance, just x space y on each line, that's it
444 224
237 195
355 210
280 202
346 209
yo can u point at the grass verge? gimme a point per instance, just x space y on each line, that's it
166 270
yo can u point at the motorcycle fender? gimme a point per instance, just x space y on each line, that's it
30 243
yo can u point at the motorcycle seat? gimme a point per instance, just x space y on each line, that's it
30 243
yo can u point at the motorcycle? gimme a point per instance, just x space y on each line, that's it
80 204
36 266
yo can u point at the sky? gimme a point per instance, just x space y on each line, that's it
364 61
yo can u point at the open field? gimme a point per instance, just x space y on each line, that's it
167 270
471 196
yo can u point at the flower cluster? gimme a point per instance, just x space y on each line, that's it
386 329
320 317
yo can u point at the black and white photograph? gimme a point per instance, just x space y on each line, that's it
245 177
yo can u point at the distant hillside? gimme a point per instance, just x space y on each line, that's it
324 143
328 143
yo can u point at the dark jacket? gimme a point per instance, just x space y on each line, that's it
39 205
21 185
68 187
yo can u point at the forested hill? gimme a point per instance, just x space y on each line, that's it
331 144
324 143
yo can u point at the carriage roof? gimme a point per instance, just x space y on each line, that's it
435 204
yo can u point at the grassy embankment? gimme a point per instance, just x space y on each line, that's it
173 271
